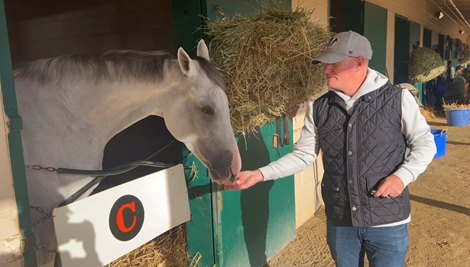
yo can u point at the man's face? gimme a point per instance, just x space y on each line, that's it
339 74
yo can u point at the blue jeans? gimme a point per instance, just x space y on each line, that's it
384 246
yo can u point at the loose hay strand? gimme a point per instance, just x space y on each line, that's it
266 63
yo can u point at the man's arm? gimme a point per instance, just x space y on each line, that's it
304 154
422 149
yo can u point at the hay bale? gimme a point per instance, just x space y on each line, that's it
425 65
266 63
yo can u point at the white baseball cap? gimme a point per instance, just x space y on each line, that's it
343 45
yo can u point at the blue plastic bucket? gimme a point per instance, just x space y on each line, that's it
457 117
440 138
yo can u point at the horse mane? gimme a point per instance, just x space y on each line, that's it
112 65
212 72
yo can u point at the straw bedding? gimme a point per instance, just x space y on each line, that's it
167 250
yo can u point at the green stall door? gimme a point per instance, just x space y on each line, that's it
402 49
415 30
427 38
253 225
241 228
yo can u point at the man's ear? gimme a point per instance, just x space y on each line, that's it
360 61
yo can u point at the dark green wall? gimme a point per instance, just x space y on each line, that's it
441 45
346 15
427 38
187 23
230 8
402 49
375 29
415 30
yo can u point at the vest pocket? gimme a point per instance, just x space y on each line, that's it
373 181
333 190
381 207
335 196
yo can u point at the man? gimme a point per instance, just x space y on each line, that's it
363 126
460 85
439 89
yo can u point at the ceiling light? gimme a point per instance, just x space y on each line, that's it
439 15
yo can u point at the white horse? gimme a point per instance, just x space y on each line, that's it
72 106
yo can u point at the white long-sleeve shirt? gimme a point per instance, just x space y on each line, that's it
413 126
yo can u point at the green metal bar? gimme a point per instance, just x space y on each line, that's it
14 141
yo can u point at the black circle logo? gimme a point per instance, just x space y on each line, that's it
126 217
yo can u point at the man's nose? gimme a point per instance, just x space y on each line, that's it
327 68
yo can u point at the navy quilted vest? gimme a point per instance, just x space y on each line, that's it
359 150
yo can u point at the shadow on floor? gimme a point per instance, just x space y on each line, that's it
441 204
458 143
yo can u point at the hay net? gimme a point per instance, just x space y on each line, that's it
425 65
266 63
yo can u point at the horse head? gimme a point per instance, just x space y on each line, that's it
200 118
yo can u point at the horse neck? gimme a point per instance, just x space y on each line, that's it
68 124
128 101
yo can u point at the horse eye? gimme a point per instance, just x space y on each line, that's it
208 110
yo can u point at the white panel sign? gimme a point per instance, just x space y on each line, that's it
101 228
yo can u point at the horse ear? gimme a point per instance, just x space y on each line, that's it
202 50
185 62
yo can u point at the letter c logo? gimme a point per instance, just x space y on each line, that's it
126 217
120 217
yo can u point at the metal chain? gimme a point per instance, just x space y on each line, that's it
46 216
115 171
39 167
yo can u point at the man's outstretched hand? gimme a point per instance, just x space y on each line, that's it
246 179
